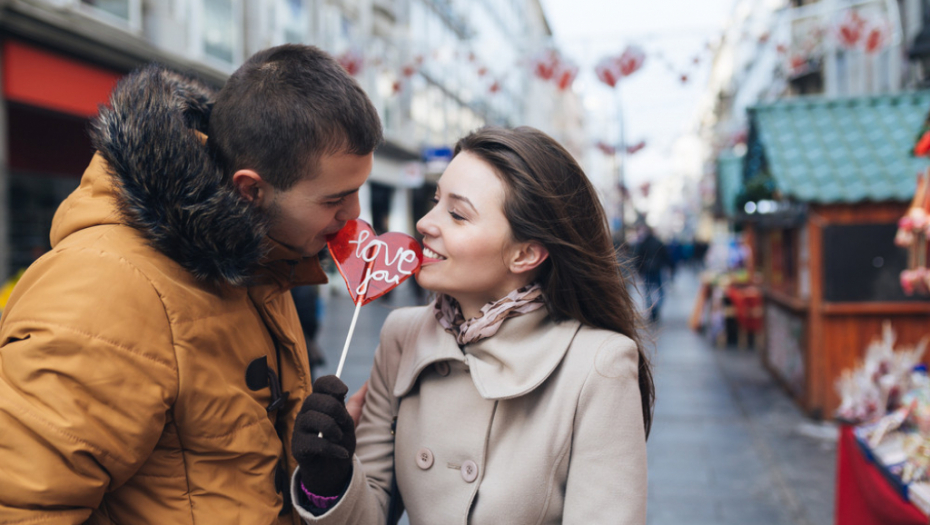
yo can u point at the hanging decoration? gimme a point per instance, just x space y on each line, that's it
544 63
611 69
606 148
630 149
869 32
850 30
550 65
352 61
633 148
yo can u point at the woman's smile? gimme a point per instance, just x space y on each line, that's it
431 255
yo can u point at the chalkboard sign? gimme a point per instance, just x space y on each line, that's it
862 264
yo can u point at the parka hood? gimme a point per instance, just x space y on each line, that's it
164 181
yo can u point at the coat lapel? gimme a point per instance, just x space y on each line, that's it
523 353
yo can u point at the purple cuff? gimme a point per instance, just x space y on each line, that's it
320 502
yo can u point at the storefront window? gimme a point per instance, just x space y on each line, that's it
120 12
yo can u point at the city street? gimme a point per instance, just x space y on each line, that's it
727 446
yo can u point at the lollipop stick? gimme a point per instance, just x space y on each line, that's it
345 349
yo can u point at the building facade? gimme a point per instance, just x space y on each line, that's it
435 70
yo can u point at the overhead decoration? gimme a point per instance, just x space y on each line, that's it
352 61
630 149
550 65
611 69
869 32
850 30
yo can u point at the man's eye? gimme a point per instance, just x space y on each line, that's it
336 202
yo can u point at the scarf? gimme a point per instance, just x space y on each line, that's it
492 315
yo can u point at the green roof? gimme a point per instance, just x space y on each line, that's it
843 150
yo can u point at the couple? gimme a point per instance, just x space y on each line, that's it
152 368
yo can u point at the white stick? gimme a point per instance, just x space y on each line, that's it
345 349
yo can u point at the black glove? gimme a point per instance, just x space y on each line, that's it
325 462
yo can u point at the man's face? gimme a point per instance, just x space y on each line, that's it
304 215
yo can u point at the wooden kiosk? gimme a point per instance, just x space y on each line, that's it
843 178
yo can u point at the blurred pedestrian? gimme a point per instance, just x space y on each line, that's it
153 362
521 394
651 259
306 300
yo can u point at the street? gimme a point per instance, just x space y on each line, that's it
727 447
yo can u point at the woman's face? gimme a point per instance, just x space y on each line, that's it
466 237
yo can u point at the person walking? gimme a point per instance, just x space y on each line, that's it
153 362
522 393
651 258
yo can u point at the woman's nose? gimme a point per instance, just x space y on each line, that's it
426 226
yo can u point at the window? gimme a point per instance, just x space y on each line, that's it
217 31
125 13
291 21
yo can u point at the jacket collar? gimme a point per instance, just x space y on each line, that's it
154 173
513 362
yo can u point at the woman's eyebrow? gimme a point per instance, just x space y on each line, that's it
464 199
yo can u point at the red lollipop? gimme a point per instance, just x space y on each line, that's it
371 265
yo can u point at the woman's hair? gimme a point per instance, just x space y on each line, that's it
549 199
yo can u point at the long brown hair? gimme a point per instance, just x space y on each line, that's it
549 200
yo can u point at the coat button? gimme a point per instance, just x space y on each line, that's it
424 458
442 368
469 471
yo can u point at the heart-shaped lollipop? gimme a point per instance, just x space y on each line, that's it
373 265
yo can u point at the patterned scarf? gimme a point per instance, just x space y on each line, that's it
492 315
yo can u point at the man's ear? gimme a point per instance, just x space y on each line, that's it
528 256
250 186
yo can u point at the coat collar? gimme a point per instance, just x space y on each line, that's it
154 173
513 362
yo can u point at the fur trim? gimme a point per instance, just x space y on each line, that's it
168 185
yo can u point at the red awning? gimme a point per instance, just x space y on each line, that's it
41 78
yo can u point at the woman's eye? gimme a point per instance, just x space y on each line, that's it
456 216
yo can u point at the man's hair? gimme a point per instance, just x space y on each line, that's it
284 109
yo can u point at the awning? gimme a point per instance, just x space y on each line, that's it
845 150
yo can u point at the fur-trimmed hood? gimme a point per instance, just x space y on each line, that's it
166 185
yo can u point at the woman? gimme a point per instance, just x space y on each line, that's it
522 394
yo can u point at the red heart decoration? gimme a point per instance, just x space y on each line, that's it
373 265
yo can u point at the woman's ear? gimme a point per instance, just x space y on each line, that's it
528 256
250 186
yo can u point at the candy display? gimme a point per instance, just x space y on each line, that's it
887 398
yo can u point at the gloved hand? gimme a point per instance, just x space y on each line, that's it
325 462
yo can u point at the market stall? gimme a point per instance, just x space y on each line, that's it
839 177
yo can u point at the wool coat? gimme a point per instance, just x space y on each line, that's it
539 424
124 352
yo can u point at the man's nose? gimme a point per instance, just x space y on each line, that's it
351 210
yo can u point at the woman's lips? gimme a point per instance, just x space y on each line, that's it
431 256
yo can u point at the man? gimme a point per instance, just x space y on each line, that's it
152 363
651 257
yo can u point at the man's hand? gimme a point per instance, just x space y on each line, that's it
324 438
355 403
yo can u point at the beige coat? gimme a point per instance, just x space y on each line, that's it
539 424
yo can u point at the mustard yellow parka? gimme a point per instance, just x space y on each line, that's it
134 357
